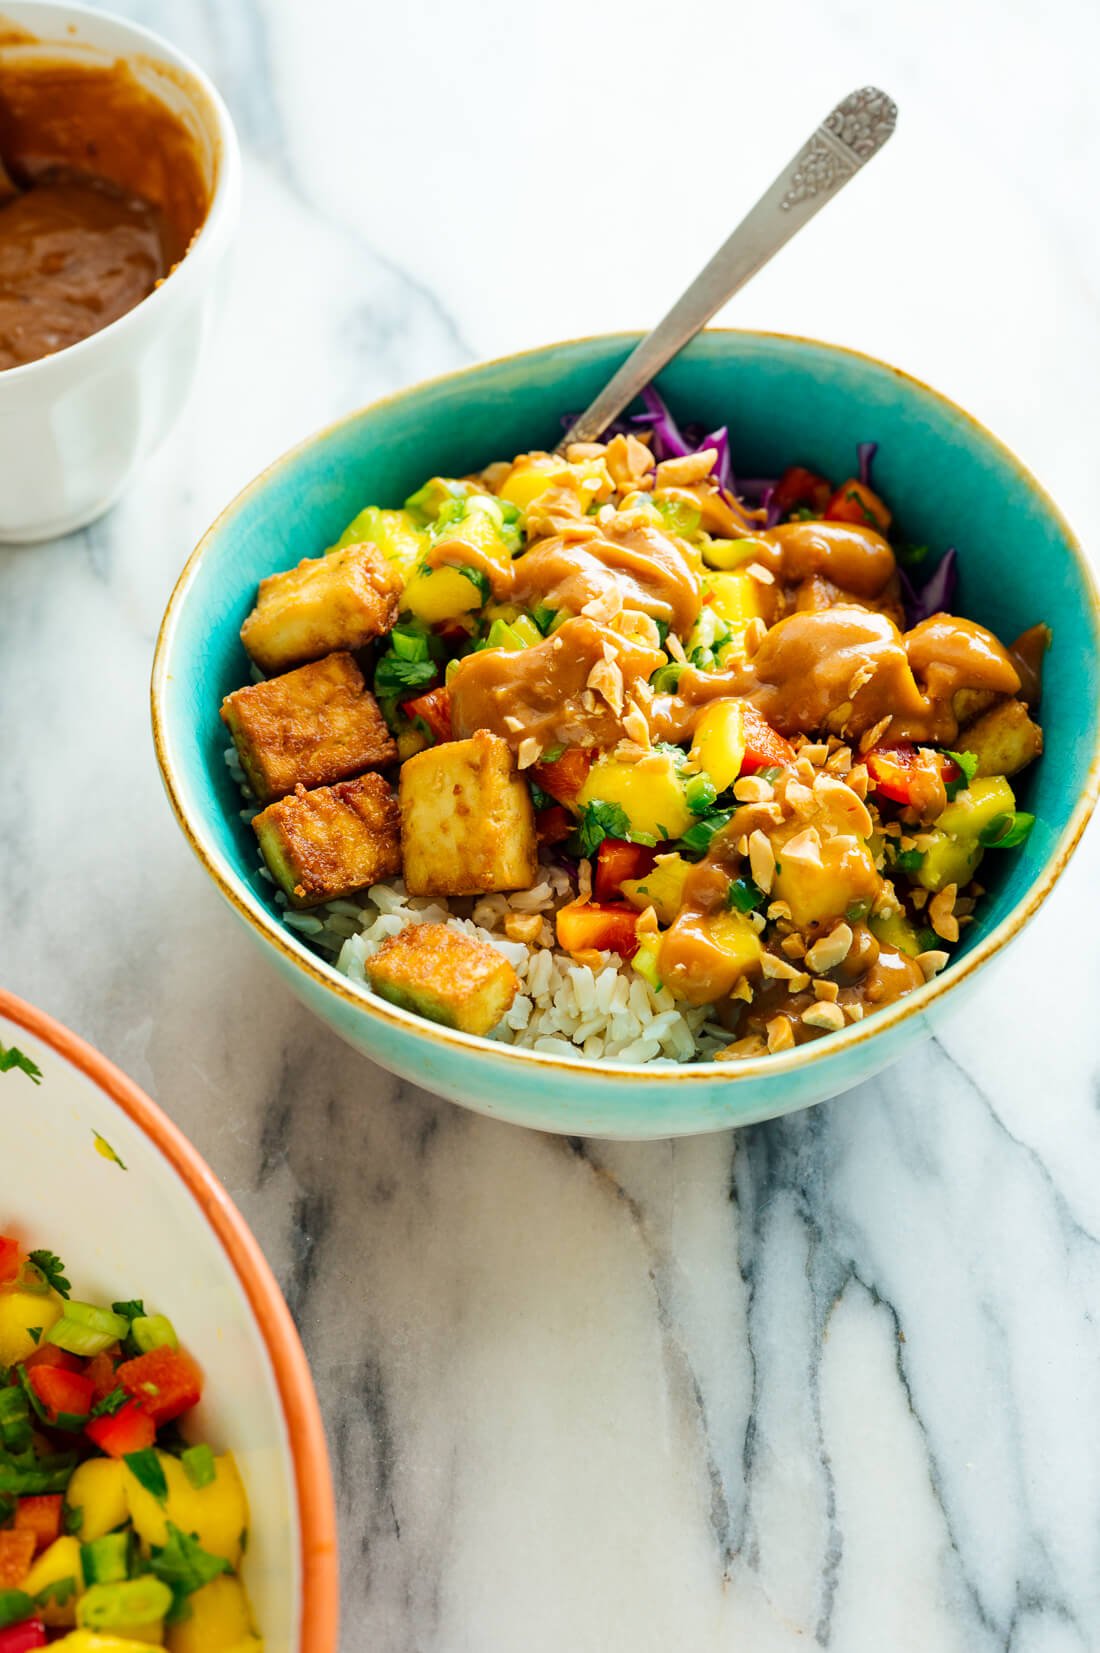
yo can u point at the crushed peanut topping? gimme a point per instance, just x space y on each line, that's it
761 860
941 912
780 1034
830 950
827 1016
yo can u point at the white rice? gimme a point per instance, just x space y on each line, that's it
563 1008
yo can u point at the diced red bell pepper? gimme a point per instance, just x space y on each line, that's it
60 1392
435 709
11 1256
100 1371
39 1514
167 1383
617 859
48 1354
130 1429
553 825
564 777
16 1554
902 773
798 486
765 747
855 502
23 1637
589 926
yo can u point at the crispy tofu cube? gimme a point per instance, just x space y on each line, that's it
329 843
467 826
341 601
444 975
313 726
1004 740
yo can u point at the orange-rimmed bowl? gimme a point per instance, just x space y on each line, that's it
785 400
96 1172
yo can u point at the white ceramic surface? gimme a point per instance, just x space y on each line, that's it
140 1232
75 425
623 1398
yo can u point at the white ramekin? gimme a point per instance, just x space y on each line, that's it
74 426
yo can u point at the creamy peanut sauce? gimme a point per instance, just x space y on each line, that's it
639 565
543 693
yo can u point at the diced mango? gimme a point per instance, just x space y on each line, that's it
651 793
948 860
220 1621
97 1490
719 744
662 888
395 534
437 594
702 959
736 595
58 1564
216 1514
840 878
20 1310
94 1641
535 474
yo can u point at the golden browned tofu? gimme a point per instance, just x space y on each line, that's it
341 601
444 975
467 826
1004 740
311 727
331 842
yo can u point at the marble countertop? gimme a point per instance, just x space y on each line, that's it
831 1382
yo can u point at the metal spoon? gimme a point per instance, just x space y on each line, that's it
846 139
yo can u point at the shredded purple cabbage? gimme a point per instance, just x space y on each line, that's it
668 439
866 452
723 469
937 593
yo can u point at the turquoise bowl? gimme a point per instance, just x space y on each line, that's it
784 399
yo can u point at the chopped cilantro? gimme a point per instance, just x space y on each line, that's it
148 1470
72 1519
478 579
539 798
34 1333
53 1269
1006 831
908 860
185 1567
968 763
103 1148
57 1592
394 675
743 895
12 1057
110 1404
15 1606
600 820
552 754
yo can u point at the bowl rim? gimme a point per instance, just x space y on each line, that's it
318 1557
749 1069
209 239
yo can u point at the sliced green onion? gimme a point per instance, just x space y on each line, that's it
87 1330
744 896
502 635
107 1560
700 793
409 645
16 1432
545 618
50 1474
908 860
129 1605
153 1331
697 838
666 678
198 1462
1006 831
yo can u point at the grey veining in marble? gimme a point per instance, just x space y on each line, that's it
834 1383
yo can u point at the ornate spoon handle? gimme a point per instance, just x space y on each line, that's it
846 139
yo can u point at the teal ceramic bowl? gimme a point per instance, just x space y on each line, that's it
784 399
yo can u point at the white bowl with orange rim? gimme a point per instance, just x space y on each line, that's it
75 423
92 1169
